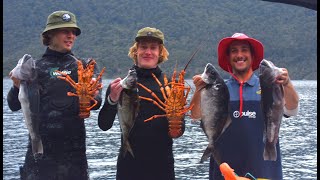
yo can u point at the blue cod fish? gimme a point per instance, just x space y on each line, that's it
214 105
29 99
272 103
128 107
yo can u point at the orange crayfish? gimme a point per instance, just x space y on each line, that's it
229 174
85 88
175 95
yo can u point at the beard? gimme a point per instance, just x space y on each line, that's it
242 71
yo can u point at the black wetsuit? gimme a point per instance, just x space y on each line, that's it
150 142
62 131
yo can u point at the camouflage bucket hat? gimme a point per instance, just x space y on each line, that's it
61 19
151 33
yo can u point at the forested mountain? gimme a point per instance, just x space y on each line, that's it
108 28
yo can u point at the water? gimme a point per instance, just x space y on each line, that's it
298 141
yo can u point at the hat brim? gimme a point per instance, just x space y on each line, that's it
223 47
65 25
148 38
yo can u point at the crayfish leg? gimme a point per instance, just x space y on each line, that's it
166 85
181 76
152 93
95 103
72 94
153 102
66 78
160 85
187 93
154 117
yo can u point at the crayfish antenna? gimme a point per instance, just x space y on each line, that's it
173 78
193 54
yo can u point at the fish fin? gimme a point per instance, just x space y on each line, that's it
227 124
217 157
34 96
37 148
37 145
270 152
207 153
131 152
128 149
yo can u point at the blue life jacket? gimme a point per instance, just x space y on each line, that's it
241 145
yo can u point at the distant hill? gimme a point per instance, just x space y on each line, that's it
288 32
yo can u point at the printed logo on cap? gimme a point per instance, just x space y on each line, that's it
237 35
149 33
66 17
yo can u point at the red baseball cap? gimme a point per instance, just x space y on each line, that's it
224 45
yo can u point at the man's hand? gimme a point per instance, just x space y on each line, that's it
283 78
16 82
93 80
195 101
198 82
116 89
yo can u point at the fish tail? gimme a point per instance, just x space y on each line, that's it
129 149
37 148
270 152
207 153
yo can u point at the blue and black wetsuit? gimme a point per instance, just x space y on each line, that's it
62 131
241 145
150 142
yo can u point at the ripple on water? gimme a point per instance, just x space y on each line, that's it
298 141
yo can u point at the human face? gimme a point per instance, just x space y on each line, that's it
240 56
148 54
63 39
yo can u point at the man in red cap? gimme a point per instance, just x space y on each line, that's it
241 145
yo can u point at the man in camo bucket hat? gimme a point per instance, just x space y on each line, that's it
61 130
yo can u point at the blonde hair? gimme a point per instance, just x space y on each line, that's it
163 55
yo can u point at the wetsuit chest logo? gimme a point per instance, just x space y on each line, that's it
249 114
53 72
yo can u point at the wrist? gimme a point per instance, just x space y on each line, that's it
111 102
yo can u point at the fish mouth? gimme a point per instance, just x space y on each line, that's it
269 70
205 76
130 80
266 63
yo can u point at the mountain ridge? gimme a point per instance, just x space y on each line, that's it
287 32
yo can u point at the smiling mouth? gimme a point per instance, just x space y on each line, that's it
69 43
240 61
147 58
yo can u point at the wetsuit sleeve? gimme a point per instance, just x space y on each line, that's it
12 99
107 113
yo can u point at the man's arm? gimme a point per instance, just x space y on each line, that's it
290 95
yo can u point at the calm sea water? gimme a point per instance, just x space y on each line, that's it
298 141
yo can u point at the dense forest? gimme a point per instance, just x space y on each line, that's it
288 32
